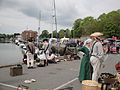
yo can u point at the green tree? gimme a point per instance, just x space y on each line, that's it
55 34
2 35
72 31
45 34
62 33
111 24
68 33
77 27
88 25
108 23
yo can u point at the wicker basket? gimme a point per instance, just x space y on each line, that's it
109 80
89 85
100 85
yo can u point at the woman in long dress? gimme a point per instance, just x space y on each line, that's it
84 73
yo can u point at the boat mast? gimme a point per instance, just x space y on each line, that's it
39 26
56 26
55 19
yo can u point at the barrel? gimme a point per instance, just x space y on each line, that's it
89 85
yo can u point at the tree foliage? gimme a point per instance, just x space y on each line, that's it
65 33
45 34
6 36
68 33
77 28
62 33
109 24
55 34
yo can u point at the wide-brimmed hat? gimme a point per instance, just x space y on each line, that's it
96 34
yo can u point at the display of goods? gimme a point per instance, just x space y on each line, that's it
106 77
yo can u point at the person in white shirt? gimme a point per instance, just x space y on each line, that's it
30 54
52 58
97 55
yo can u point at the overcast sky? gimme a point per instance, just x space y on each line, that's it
19 15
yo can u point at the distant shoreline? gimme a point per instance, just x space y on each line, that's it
9 65
5 41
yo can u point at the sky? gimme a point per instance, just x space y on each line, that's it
19 15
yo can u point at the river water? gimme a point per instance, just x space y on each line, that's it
10 53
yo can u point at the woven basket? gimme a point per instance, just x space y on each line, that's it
109 80
89 85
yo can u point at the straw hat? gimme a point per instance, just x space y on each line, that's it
96 34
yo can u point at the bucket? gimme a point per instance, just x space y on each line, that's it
89 85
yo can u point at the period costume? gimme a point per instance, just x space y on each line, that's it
30 54
84 73
96 59
97 55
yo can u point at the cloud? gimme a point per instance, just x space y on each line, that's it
0 25
31 9
67 11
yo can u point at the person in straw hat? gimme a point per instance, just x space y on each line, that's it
97 54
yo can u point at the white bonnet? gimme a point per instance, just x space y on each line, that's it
87 41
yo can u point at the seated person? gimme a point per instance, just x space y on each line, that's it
52 58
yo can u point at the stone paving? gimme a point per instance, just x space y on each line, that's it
54 76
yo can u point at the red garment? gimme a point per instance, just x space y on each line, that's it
70 60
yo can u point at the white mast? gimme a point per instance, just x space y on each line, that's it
39 26
55 19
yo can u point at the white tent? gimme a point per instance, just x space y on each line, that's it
52 39
64 39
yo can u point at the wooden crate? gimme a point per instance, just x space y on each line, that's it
15 71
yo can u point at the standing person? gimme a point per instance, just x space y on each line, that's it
97 55
24 55
46 49
30 54
84 73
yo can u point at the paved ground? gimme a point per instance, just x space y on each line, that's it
52 77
